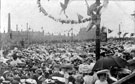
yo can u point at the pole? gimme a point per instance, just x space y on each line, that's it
72 37
134 21
0 39
17 39
119 33
9 23
27 32
98 19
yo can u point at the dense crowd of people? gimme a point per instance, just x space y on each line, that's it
66 63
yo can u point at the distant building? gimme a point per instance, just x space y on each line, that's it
36 36
85 35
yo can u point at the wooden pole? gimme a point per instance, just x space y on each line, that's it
27 32
98 19
134 21
119 33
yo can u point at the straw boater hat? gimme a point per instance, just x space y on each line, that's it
105 71
6 82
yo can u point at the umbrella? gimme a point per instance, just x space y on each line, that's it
129 79
107 62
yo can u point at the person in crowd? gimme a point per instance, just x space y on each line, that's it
88 78
133 54
102 77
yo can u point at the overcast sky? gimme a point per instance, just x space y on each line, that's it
23 11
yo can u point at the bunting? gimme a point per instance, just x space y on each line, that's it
80 17
88 11
42 10
92 11
93 8
119 33
110 31
104 6
64 7
132 34
104 29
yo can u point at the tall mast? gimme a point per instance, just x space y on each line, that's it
9 23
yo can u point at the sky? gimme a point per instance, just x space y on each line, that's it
27 11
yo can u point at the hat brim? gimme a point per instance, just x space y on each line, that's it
103 71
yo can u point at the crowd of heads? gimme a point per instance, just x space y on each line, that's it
38 63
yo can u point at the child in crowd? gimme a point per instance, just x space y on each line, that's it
102 77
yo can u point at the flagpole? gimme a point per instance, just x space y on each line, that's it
98 20
27 32
119 33
98 37
134 21
107 32
0 39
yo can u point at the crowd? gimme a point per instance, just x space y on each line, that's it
67 63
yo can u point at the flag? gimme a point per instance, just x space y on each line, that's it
110 31
125 34
119 33
64 6
92 8
38 2
104 6
91 11
88 11
132 34
43 11
80 17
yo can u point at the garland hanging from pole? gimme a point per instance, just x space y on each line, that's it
42 10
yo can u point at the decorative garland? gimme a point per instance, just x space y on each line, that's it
42 10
